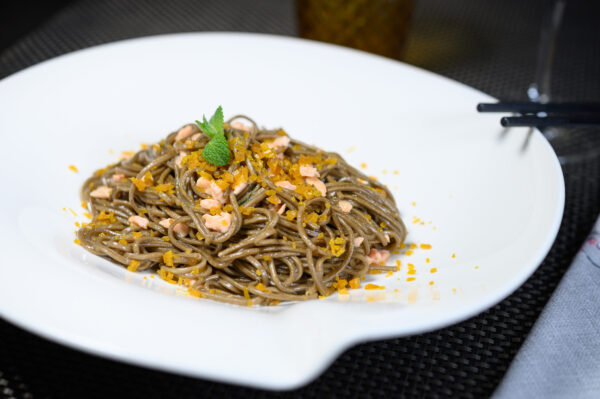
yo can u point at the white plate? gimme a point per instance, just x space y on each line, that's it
494 199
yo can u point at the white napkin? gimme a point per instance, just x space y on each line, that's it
561 356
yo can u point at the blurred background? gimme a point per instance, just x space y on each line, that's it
498 38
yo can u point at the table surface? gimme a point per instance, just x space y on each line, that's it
490 45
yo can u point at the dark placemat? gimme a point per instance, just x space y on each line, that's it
489 45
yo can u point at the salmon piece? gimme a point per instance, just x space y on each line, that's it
219 222
215 191
318 184
179 158
240 126
117 177
308 171
345 206
211 188
208 203
139 221
184 132
386 236
238 188
358 241
179 228
101 192
279 142
286 184
166 222
202 183
196 136
378 257
279 208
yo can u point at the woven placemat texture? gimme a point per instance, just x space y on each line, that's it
490 45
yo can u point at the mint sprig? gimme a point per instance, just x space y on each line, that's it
216 151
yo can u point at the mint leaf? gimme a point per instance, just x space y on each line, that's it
214 126
207 128
217 151
216 121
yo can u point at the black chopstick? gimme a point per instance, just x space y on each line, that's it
533 108
541 121
545 115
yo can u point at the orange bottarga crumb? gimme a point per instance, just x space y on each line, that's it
148 179
312 217
337 246
246 210
433 270
354 283
133 265
290 215
139 184
425 246
273 199
164 188
374 287
341 284
261 287
73 168
168 258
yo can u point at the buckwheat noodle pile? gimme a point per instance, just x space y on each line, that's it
282 221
